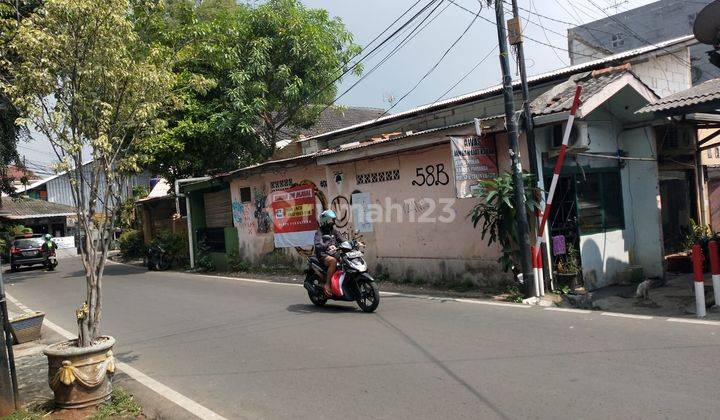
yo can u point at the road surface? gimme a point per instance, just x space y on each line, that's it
257 350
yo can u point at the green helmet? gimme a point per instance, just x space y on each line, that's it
47 237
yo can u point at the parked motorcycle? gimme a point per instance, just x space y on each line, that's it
158 259
350 283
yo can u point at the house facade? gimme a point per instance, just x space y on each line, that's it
615 198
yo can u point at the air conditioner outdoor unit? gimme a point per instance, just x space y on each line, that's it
579 137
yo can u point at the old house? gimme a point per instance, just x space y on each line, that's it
402 165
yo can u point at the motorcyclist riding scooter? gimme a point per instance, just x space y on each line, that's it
338 270
48 248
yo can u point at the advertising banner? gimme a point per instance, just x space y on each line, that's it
294 216
474 159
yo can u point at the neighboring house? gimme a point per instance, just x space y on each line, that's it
21 177
39 215
650 24
158 212
211 200
57 189
610 205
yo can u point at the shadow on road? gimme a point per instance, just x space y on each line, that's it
305 308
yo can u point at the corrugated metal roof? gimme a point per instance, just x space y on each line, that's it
360 145
590 65
703 93
17 208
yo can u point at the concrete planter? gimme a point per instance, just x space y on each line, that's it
81 377
571 280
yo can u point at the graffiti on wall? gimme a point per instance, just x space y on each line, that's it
262 218
431 175
243 217
341 206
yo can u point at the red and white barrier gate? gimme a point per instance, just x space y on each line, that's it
715 267
697 260
545 207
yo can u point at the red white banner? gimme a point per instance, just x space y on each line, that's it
294 216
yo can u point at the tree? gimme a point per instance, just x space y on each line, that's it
498 215
244 74
11 14
86 81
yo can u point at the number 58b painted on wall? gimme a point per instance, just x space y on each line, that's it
431 175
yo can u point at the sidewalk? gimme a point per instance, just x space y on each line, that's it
33 388
674 299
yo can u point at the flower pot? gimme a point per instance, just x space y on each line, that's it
27 327
81 376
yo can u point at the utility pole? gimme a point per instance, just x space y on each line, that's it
523 227
528 125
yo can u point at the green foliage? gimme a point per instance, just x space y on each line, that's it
496 211
237 264
128 214
570 264
85 80
205 261
244 72
696 234
121 405
132 244
513 294
175 246
10 131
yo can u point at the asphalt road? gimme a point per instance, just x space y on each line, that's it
254 350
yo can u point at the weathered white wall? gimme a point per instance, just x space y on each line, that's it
666 74
642 208
604 257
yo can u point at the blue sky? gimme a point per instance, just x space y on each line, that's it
397 76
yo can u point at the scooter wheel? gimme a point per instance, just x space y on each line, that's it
369 297
317 300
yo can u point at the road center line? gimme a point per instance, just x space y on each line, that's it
162 389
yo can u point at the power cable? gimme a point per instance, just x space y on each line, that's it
466 75
638 36
434 67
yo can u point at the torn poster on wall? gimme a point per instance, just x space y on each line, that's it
294 216
361 211
474 159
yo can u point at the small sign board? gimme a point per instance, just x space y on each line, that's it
474 159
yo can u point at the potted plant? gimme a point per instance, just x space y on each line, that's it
84 79
568 271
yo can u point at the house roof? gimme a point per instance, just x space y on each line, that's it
28 208
331 119
619 58
50 178
707 93
597 87
160 191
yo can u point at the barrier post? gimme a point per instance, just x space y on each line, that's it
715 266
697 259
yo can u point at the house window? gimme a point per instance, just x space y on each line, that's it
709 152
717 152
618 40
599 201
245 196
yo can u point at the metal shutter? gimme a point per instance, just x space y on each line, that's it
218 210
